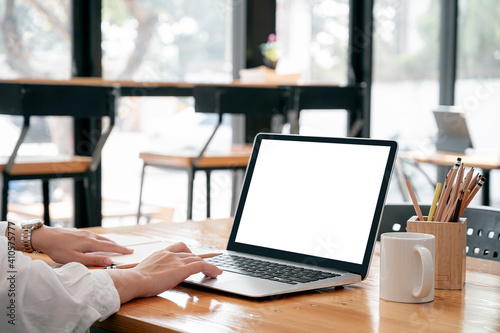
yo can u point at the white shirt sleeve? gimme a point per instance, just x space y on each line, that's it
38 298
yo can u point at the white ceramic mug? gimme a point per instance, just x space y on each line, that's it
407 267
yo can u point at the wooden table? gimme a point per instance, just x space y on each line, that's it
485 161
354 308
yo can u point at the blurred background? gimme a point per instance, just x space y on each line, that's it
193 41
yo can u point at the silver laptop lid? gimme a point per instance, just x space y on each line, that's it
313 200
453 134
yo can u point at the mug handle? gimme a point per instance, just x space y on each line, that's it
427 272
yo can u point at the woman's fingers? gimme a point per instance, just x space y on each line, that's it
179 247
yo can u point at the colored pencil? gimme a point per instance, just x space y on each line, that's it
456 213
414 200
446 196
473 194
467 179
453 195
434 202
441 200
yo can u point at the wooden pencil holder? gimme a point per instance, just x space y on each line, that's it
451 237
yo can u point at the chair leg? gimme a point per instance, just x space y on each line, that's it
191 172
208 192
89 202
236 185
5 198
140 194
486 190
46 201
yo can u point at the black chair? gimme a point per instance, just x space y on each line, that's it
220 100
81 102
483 227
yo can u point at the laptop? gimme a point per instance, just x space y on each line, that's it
453 134
307 217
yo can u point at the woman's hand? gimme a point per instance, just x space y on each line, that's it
65 245
160 271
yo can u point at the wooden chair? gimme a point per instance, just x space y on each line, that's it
483 227
221 100
80 102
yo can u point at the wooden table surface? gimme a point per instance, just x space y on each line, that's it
481 160
486 161
29 165
95 81
237 156
354 308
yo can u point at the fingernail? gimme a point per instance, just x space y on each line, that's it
108 262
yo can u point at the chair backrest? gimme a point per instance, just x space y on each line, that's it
326 97
483 232
241 100
483 227
251 101
330 98
78 101
71 100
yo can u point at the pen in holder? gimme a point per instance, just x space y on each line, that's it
451 239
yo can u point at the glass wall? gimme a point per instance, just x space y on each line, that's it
164 41
35 39
313 39
405 80
168 41
478 72
478 76
35 42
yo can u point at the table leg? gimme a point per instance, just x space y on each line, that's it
208 193
191 172
5 198
486 190
46 201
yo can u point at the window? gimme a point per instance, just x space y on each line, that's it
163 41
405 70
313 38
405 80
477 89
478 72
35 42
168 41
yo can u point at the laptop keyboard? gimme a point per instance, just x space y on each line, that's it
268 270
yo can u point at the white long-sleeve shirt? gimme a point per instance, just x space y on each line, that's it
37 298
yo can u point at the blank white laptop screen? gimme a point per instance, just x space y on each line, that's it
313 198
